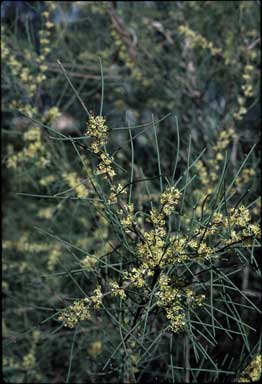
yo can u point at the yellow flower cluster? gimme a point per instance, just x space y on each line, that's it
80 309
137 276
24 244
197 40
29 361
54 256
247 88
208 173
178 244
26 109
10 362
116 290
52 114
34 146
134 359
24 72
122 49
245 177
115 192
76 184
127 218
241 109
47 180
45 42
183 249
252 230
98 131
33 150
202 171
96 298
239 216
75 313
204 252
152 250
155 248
173 300
88 262
127 53
45 213
29 80
248 77
45 35
217 218
169 199
256 210
105 165
224 138
151 247
95 348
231 229
253 371
4 48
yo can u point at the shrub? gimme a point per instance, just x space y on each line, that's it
130 252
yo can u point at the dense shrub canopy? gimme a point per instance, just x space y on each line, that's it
131 220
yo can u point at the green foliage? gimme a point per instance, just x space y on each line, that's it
131 204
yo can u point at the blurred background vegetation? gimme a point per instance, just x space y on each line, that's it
194 66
